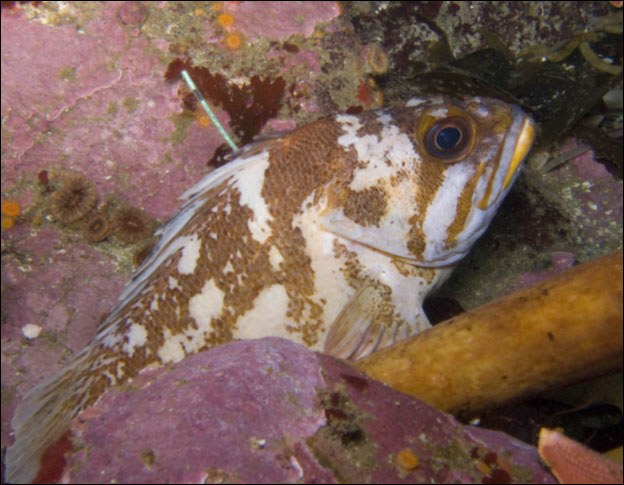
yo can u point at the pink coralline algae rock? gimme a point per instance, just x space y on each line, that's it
132 14
560 260
60 284
279 20
93 100
270 411
593 201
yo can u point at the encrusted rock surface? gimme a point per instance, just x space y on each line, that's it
271 411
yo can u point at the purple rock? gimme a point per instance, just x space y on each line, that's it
272 411
280 20
561 261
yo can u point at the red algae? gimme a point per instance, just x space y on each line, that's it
52 461
249 105
365 94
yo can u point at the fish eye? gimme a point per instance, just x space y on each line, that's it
449 138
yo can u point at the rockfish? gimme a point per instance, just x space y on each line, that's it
330 235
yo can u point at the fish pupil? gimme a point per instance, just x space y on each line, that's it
448 138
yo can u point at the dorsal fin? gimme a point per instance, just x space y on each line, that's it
194 198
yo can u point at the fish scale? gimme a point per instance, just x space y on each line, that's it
331 236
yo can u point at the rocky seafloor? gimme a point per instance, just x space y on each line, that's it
84 92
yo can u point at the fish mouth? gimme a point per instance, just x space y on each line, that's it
523 145
518 141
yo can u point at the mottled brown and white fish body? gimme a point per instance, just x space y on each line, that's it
331 236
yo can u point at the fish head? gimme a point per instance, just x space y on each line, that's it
429 176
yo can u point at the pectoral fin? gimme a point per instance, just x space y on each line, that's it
365 324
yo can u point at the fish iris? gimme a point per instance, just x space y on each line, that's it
449 138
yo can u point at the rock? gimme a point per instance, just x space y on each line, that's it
272 411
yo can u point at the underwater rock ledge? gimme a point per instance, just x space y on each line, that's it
270 410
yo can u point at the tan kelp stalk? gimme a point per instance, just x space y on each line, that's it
550 334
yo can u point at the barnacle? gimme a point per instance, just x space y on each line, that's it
131 225
378 60
407 460
10 208
225 20
7 223
203 120
75 200
96 228
233 40
132 14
